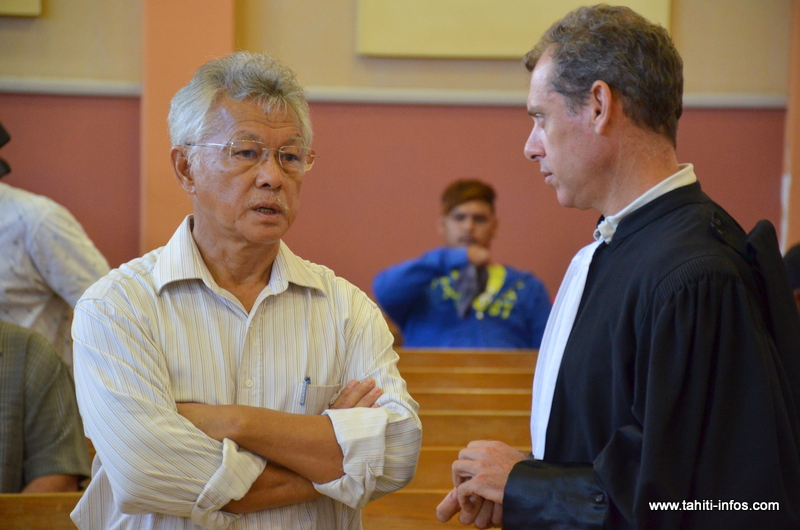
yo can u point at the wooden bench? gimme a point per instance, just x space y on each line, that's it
37 511
463 395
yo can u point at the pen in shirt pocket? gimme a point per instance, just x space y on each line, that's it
306 382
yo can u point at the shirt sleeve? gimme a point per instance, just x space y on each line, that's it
155 460
380 445
54 441
713 418
401 288
64 255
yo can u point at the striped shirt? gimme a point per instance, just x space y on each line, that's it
159 330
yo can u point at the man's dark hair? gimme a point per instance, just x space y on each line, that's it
792 261
462 191
636 58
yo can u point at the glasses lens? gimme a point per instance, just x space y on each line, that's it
244 154
295 159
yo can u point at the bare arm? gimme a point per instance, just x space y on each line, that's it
52 484
289 437
275 487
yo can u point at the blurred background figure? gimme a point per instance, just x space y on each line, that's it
456 296
792 261
42 447
46 263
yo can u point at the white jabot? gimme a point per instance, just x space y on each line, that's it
565 308
554 341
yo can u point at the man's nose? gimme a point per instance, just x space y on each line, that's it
269 172
534 149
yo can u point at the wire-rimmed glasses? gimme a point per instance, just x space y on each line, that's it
244 154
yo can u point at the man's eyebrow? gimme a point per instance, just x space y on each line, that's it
247 135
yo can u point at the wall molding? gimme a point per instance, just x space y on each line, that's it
53 86
369 95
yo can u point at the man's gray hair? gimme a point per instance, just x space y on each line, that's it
238 76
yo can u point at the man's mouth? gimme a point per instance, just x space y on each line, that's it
272 206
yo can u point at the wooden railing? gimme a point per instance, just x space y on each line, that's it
464 395
37 511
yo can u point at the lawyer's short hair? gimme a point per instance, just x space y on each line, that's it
614 44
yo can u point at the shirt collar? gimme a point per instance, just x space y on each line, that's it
181 260
608 225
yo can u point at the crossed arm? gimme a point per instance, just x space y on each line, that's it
302 451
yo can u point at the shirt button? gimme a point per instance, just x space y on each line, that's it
249 383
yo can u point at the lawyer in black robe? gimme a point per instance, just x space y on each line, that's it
671 386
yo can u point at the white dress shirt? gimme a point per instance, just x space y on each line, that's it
46 263
159 330
568 299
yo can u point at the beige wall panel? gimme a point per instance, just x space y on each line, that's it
75 39
497 29
733 45
21 8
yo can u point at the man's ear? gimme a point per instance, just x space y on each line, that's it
601 102
180 165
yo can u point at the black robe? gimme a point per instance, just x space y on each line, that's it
671 386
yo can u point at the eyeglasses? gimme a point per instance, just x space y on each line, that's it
244 154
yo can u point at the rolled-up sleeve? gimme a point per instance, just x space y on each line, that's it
155 460
380 445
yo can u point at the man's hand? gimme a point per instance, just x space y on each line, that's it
358 394
220 421
479 475
478 256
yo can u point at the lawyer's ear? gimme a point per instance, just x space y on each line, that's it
601 102
180 165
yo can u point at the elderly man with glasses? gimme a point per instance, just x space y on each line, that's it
225 382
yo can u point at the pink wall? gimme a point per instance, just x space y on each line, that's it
83 152
372 199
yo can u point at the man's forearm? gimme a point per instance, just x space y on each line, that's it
275 487
52 484
305 444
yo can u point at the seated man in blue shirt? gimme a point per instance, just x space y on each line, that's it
455 296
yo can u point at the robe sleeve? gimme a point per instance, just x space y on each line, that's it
711 425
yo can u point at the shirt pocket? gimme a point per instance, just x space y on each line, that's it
313 399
